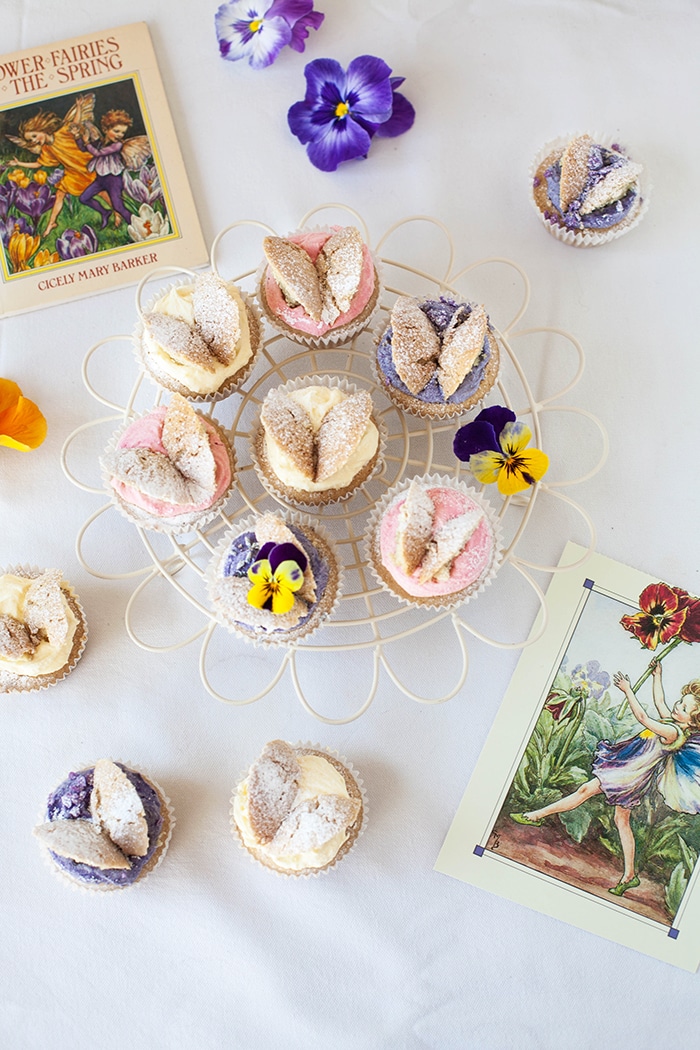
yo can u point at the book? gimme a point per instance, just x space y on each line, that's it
93 189
585 801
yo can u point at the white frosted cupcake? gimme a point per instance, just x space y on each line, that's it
319 287
42 629
299 810
317 441
433 541
200 339
586 190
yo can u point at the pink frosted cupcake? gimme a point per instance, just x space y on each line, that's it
318 287
170 470
433 541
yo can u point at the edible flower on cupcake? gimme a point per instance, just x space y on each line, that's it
276 575
495 447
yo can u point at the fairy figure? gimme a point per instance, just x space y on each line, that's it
666 754
53 139
109 160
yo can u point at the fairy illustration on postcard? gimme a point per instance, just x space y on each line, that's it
78 176
601 792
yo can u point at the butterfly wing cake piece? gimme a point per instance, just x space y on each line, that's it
186 441
289 425
461 345
612 187
181 342
340 432
273 785
115 805
148 472
313 823
415 345
83 842
296 275
448 541
44 608
339 266
414 528
216 316
574 169
15 638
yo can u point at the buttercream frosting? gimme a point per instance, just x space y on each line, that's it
46 658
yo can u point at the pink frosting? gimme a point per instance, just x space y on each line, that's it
296 316
146 433
467 566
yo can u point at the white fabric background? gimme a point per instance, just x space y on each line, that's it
211 952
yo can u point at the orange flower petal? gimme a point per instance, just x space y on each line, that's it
10 394
22 426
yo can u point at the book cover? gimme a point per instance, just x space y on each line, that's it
585 802
93 189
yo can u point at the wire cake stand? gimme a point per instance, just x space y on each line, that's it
367 620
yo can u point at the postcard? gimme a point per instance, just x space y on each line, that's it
585 802
93 189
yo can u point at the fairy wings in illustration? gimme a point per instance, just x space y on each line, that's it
136 151
679 779
79 119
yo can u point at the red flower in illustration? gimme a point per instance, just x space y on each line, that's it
665 613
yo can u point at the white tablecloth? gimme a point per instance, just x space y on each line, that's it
212 951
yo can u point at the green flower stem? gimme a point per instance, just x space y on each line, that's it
571 733
640 682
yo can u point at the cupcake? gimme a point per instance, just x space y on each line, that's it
317 441
433 541
299 810
318 287
273 579
586 192
170 470
437 358
105 827
200 339
42 629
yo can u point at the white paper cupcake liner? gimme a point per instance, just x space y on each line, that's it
334 337
392 586
161 849
10 682
174 524
346 847
161 379
320 614
589 238
412 404
285 494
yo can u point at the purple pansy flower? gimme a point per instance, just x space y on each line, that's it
75 243
482 434
342 111
259 29
34 199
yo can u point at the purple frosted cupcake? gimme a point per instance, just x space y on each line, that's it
106 826
587 192
437 358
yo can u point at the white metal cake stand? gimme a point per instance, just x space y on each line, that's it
366 619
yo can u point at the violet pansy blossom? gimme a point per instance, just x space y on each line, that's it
342 110
259 29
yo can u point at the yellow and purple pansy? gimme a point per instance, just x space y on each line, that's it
495 447
276 575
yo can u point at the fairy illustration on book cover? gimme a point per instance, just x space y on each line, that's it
606 796
78 176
